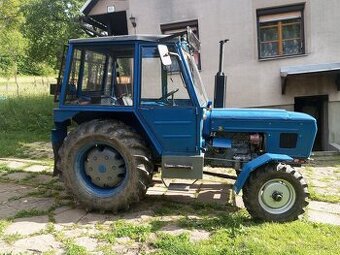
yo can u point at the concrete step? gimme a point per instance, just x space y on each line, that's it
316 154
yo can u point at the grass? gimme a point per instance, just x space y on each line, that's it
25 119
3 226
323 197
28 85
122 228
12 238
29 213
71 248
298 237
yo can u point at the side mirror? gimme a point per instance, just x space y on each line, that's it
164 54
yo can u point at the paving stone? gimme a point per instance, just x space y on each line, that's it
214 196
199 235
122 240
29 203
9 190
42 243
139 217
62 209
74 233
89 243
94 218
6 211
181 197
323 217
17 176
42 179
156 191
172 229
27 226
69 216
325 207
36 168
16 164
239 201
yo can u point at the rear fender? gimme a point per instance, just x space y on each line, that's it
58 135
255 164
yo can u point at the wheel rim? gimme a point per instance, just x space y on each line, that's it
277 196
101 169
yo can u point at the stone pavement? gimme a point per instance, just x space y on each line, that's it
42 215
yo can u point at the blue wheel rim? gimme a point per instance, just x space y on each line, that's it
85 180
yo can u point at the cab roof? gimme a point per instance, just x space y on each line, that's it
121 38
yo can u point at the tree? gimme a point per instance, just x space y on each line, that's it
12 42
48 26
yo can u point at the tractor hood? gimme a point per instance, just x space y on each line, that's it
271 123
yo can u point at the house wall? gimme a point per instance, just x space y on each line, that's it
102 6
252 82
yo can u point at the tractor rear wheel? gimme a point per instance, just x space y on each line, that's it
106 165
275 193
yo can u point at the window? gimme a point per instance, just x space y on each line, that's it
280 31
177 27
162 85
101 76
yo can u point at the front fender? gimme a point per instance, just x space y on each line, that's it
256 163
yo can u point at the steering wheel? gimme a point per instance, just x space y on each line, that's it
171 93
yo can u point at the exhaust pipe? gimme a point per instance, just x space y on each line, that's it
220 80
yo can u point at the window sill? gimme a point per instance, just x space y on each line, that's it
282 57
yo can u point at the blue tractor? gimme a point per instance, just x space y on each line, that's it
129 105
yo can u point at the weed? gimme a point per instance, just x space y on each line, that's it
106 249
71 248
29 213
50 252
122 228
156 225
12 238
3 226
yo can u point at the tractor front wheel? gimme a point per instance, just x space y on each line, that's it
275 193
106 165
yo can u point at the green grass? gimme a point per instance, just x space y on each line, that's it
323 197
291 238
30 213
3 226
12 238
24 120
122 228
72 248
28 85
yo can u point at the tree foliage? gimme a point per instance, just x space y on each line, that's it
34 32
48 26
12 42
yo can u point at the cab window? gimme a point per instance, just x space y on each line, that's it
101 76
162 85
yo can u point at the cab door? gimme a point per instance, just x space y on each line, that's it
165 106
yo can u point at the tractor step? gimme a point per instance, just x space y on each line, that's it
182 167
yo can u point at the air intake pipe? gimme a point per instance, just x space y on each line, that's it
220 80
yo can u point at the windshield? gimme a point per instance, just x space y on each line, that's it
196 78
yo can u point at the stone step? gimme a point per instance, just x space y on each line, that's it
316 154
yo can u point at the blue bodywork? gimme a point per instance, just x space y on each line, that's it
255 164
270 122
184 129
